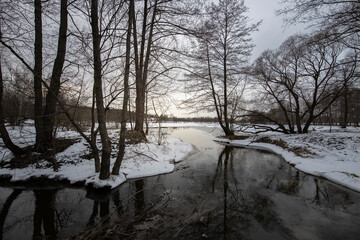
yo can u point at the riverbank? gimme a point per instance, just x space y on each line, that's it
140 160
332 155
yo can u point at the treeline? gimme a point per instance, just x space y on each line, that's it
335 115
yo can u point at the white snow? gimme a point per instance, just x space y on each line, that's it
332 155
141 160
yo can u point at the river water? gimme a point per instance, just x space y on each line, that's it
217 192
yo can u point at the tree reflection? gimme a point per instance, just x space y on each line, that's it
241 210
118 203
44 214
139 200
101 205
5 209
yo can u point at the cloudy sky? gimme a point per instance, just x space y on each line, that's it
271 32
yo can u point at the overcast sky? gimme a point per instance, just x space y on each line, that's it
271 31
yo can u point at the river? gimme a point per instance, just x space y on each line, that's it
217 192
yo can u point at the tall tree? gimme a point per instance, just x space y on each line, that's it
105 140
38 65
44 133
124 112
53 92
142 58
223 46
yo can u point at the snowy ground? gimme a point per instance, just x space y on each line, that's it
141 160
332 155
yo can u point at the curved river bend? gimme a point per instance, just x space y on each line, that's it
218 192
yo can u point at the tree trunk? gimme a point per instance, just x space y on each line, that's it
345 110
38 77
50 106
124 112
140 106
105 141
142 65
93 133
146 114
226 129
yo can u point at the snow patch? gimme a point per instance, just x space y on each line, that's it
140 160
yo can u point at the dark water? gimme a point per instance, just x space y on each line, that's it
217 193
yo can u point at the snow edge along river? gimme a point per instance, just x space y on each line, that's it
333 156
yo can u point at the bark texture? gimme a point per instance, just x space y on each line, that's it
50 106
124 112
105 141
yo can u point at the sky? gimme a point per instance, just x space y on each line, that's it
271 33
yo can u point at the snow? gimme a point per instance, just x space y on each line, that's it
332 155
140 160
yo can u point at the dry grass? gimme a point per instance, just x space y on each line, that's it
235 137
298 151
278 142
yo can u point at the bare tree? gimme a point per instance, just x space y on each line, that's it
222 50
302 79
16 150
142 58
98 91
124 112
38 65
336 20
53 92
43 138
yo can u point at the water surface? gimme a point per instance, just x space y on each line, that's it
218 192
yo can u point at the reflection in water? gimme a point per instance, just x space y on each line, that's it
5 209
104 211
101 204
241 210
44 214
118 203
139 200
94 214
217 193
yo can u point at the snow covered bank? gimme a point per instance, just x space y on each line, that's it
140 160
332 155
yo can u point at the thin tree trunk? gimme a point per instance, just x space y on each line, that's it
227 129
146 114
50 106
105 141
38 77
93 133
345 111
213 93
124 112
